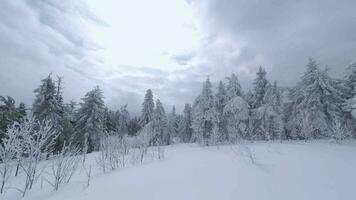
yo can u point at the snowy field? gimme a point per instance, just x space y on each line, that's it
275 171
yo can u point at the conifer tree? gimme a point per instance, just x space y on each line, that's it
186 130
147 108
159 126
317 103
204 114
260 88
173 123
90 120
221 100
233 87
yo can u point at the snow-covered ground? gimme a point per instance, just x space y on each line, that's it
293 170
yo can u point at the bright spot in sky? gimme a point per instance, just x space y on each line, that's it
144 33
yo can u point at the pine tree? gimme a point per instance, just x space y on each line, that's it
317 103
159 126
221 100
173 124
186 130
47 104
233 88
204 114
273 97
90 121
147 108
350 80
260 88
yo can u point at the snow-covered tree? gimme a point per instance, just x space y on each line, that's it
90 120
260 88
204 114
37 141
236 112
317 98
265 123
147 108
47 104
185 129
351 105
160 126
9 149
350 80
273 97
233 87
9 114
221 100
173 124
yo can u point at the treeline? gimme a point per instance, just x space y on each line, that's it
319 106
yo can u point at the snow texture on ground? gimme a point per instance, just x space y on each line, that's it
300 171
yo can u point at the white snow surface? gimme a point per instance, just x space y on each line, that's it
288 170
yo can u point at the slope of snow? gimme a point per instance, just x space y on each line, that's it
317 170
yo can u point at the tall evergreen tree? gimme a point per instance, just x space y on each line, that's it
186 130
260 88
350 80
173 123
273 97
221 100
317 103
47 104
147 108
90 121
233 87
204 114
159 126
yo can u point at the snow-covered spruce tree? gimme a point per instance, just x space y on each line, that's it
160 135
350 80
221 100
48 106
260 88
349 89
233 87
90 120
173 124
270 113
236 112
273 97
317 99
147 108
204 114
185 130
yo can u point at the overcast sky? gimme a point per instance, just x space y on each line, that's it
128 46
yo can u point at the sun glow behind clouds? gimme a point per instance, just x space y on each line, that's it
144 33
